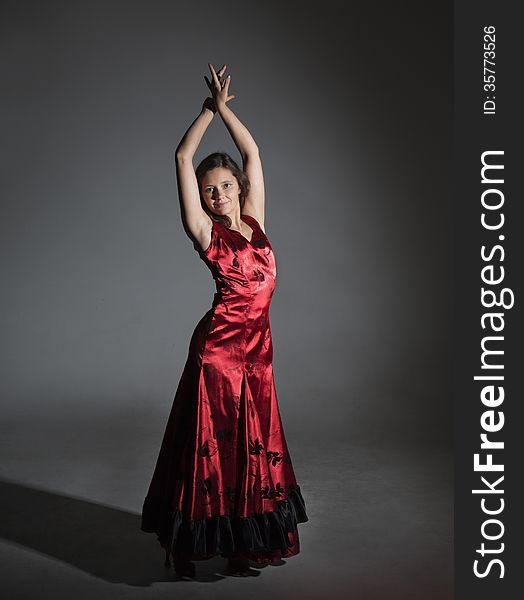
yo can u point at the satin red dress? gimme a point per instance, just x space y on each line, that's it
224 481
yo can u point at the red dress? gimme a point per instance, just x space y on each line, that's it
224 481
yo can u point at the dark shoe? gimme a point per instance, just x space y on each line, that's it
183 566
238 566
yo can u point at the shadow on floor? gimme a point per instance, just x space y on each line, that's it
103 541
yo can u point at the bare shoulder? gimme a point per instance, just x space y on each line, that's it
257 218
258 215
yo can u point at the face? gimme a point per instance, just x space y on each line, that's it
220 191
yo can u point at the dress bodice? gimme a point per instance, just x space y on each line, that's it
244 270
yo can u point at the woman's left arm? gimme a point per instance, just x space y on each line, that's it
239 132
255 201
245 143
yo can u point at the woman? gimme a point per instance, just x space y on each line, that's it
224 482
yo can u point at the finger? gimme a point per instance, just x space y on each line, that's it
209 85
215 77
221 72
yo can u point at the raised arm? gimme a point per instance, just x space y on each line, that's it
195 217
244 141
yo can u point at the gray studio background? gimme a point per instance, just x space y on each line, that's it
101 288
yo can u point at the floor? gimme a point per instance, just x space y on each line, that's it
71 491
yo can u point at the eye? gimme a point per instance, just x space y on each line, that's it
228 184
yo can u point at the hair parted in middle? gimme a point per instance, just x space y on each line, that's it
222 159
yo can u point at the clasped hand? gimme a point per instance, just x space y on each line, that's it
219 89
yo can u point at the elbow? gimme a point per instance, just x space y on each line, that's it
181 156
253 150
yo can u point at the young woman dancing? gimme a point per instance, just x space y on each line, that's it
224 483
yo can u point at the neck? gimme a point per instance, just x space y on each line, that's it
236 223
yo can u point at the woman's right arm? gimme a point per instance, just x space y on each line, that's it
197 220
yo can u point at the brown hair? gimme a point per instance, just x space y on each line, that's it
222 159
